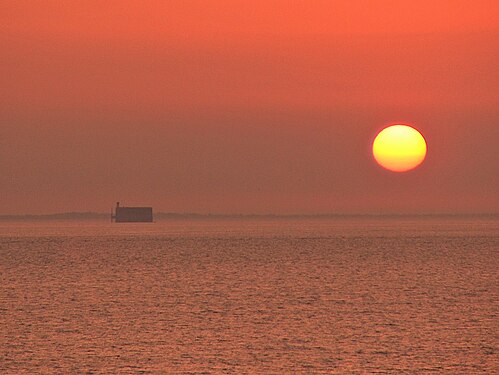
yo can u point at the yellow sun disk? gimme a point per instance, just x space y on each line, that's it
399 148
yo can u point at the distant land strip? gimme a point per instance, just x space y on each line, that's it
196 216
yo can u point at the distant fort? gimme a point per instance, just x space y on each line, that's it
132 214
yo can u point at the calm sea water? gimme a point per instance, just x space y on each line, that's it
258 297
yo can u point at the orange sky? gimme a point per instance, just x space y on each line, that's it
246 106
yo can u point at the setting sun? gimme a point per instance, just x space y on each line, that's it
399 148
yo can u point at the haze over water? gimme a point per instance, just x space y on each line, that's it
371 295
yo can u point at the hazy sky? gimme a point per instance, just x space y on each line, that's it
246 106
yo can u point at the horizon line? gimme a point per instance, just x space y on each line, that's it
192 215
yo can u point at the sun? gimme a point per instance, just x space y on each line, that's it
399 148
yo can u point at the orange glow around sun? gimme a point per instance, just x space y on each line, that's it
399 148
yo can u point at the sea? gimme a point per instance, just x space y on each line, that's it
336 295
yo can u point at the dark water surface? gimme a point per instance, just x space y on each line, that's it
259 297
